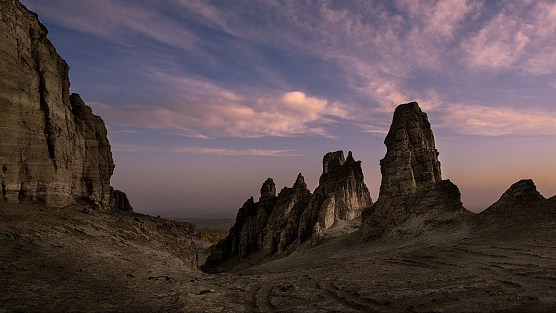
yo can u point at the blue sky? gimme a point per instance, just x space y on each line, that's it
206 99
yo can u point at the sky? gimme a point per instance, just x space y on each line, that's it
204 100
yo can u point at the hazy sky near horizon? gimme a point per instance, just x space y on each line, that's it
204 100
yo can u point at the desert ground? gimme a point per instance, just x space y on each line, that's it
68 260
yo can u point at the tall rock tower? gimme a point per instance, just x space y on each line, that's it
411 177
411 161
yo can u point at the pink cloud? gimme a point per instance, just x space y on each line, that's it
520 37
490 121
118 147
203 110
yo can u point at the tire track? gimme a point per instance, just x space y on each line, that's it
250 299
349 300
257 299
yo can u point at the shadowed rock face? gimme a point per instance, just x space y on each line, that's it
278 224
341 194
521 199
411 177
268 226
119 201
53 150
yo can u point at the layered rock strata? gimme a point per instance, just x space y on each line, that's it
53 150
277 224
411 176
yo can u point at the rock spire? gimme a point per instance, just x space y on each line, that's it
411 177
411 161
277 225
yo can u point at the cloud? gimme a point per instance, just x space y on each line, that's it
118 21
520 37
119 147
382 55
228 152
489 121
200 109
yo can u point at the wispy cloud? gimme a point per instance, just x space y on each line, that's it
209 111
118 21
120 147
520 36
383 54
488 121
226 152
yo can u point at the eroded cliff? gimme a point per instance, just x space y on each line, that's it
53 150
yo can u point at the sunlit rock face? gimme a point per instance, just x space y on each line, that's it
411 177
278 224
53 150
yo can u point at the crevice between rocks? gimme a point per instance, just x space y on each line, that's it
48 127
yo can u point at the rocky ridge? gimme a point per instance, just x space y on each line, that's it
53 150
412 182
522 201
278 224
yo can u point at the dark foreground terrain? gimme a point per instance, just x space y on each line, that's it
69 260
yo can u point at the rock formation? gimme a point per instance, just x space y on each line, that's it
119 201
411 177
53 150
341 194
521 199
278 224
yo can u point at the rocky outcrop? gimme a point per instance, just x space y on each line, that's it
341 194
411 162
278 224
119 201
411 176
266 227
521 199
53 149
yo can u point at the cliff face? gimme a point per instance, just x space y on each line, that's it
53 150
412 183
277 224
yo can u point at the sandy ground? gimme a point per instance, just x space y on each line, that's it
66 260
